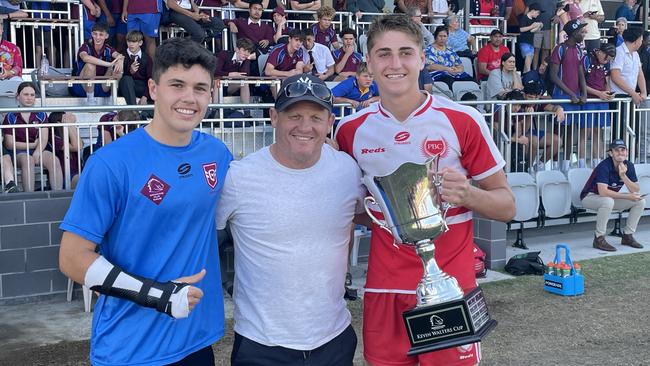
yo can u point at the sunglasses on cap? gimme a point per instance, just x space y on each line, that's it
298 89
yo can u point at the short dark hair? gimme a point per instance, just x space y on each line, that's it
632 34
100 27
246 44
440 28
182 51
254 2
297 33
345 31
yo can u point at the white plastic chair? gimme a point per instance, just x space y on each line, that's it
459 88
88 295
555 191
577 179
643 175
526 202
468 65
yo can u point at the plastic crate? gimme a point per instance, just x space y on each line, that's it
572 285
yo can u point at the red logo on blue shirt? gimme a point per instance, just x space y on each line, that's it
155 189
210 173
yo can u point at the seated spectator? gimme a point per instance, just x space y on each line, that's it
107 133
323 30
286 59
424 81
11 65
596 69
541 136
235 64
423 5
319 60
74 143
520 149
29 144
359 91
489 56
10 10
7 170
602 193
280 28
252 27
246 4
200 26
144 15
304 5
96 58
504 79
626 11
443 63
527 27
359 7
462 42
133 85
416 15
346 58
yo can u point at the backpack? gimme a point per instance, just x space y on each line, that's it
479 262
525 264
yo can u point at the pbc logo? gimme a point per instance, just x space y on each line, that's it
434 147
373 151
155 189
402 138
210 173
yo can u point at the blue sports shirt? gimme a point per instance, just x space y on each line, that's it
151 208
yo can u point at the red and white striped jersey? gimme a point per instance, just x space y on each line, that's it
380 144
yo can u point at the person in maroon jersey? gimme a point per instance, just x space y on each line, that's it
408 125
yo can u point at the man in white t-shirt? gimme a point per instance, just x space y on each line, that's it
290 207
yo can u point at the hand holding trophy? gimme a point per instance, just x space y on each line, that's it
415 215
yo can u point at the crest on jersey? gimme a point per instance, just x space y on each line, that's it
155 189
210 173
432 147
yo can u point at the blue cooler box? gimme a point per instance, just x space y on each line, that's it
572 285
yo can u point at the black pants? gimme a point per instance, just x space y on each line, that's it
339 351
198 31
202 357
131 88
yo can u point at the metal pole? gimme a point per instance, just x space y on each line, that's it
645 15
466 15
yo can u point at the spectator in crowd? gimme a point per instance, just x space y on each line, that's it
592 15
304 5
346 58
627 75
423 5
133 85
280 27
358 7
504 79
10 10
29 144
439 11
11 65
567 10
644 57
109 132
303 302
286 59
542 38
252 27
359 91
7 169
323 30
644 123
97 58
596 66
516 129
541 136
462 42
615 34
626 10
489 56
144 15
318 59
528 25
424 81
91 12
74 143
485 8
235 64
200 26
416 15
443 63
567 74
602 193
112 15
246 4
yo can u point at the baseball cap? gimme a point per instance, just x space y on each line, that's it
617 143
495 32
303 87
572 26
608 48
278 10
535 6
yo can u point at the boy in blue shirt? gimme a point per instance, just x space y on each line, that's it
359 91
147 203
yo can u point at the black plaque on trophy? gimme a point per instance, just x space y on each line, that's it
448 324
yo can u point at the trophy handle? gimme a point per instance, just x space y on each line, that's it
432 166
380 223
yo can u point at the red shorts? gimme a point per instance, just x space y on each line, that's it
385 342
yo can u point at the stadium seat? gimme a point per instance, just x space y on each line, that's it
555 193
526 202
441 88
461 87
643 175
261 62
468 65
577 179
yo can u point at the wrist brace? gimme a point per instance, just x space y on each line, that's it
169 297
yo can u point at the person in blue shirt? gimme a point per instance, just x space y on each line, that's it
602 193
141 226
626 10
359 91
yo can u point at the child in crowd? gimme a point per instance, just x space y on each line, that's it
235 64
137 71
323 31
359 91
74 143
527 26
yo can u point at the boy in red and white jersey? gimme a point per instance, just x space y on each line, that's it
408 125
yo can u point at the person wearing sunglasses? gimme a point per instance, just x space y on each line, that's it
291 233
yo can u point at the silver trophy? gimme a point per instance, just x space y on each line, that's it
415 215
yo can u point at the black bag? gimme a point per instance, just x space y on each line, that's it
525 264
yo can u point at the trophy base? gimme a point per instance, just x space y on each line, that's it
449 324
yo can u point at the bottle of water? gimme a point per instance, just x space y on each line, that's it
45 65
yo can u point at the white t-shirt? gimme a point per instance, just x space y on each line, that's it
439 6
185 4
291 230
322 57
629 64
